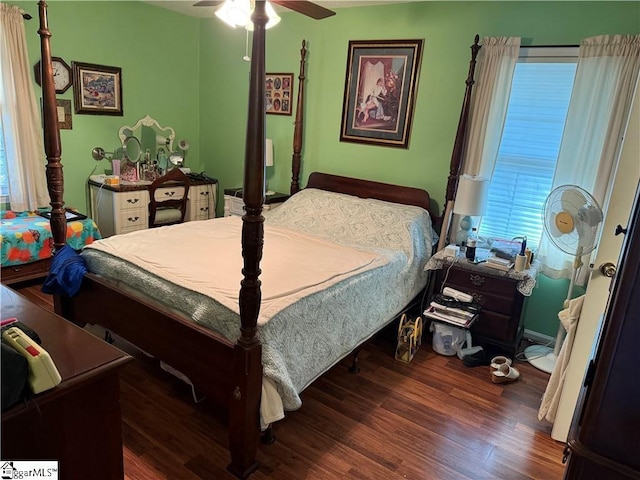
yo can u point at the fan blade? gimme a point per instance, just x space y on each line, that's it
572 200
208 3
309 9
586 236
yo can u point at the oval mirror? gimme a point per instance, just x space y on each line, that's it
132 149
150 134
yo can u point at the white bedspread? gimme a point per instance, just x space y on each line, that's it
294 265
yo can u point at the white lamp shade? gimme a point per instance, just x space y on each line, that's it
471 196
237 13
268 152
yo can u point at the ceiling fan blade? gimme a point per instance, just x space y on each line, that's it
208 3
309 9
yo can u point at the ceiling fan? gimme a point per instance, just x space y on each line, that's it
305 7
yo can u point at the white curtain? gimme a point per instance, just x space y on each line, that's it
605 83
21 123
496 63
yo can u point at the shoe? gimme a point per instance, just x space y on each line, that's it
499 360
505 374
476 359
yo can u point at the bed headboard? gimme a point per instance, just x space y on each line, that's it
370 189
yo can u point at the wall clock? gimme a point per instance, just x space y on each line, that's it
62 77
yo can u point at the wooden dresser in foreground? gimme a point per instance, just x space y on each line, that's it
77 423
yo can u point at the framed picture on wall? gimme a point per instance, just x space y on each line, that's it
380 91
97 89
279 93
64 114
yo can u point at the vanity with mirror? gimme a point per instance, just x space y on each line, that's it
147 151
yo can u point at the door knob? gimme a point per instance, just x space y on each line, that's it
608 269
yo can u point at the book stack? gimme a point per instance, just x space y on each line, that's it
452 315
498 263
507 249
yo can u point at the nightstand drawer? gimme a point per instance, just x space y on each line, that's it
482 283
495 325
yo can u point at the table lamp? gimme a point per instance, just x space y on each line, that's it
268 161
470 201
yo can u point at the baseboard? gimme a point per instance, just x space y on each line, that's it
540 338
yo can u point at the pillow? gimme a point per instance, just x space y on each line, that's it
356 221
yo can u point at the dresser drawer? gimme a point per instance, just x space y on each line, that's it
15 273
132 200
169 192
201 211
132 220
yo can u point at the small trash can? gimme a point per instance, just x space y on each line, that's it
447 339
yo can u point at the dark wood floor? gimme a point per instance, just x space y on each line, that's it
433 419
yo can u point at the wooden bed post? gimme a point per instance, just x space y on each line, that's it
52 147
244 419
458 148
298 127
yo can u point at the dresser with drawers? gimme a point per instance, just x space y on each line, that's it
500 325
121 208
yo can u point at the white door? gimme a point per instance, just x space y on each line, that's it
625 185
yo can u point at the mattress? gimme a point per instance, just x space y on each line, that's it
325 320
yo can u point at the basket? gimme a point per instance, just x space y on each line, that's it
409 338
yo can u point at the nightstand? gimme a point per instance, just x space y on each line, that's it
234 205
500 294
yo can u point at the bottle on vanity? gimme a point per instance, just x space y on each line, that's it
472 241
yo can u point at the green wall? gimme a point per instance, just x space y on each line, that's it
188 73
158 52
448 29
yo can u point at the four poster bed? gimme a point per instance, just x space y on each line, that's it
279 320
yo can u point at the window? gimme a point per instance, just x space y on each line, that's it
528 152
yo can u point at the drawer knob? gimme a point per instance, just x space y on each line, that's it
206 194
477 298
169 194
204 209
477 280
133 200
133 219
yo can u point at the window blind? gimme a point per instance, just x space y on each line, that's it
525 166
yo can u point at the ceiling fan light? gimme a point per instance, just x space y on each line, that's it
272 21
235 13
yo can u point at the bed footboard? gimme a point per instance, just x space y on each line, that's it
186 346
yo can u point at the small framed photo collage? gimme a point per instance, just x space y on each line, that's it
279 93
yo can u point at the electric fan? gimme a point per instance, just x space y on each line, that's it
572 220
